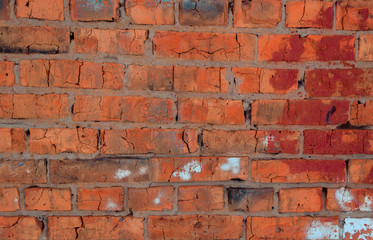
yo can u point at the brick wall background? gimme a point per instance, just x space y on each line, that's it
186 119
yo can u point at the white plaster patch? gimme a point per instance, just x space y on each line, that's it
157 200
361 226
186 172
143 170
15 200
120 174
111 206
28 171
267 140
344 197
233 165
322 230
367 205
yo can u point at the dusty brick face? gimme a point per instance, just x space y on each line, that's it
101 199
47 199
360 171
360 113
20 228
354 15
201 198
366 48
151 12
250 200
40 9
6 73
300 200
12 140
151 199
23 171
88 10
9 199
205 12
345 199
5 10
155 78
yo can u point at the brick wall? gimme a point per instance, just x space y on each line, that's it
186 119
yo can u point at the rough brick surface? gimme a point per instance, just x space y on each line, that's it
361 171
201 198
155 12
251 200
354 15
40 9
47 199
5 10
101 199
300 200
6 73
20 228
88 10
366 48
206 12
150 199
9 199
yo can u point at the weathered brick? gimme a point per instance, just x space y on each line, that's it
12 140
51 40
250 200
354 15
203 13
155 78
6 72
204 46
298 171
153 12
315 14
299 112
6 106
142 141
338 142
108 41
5 10
94 10
199 169
360 171
257 13
259 80
150 199
300 200
358 228
213 111
365 48
99 170
23 171
40 9
90 227
361 113
347 200
339 82
9 199
47 199
200 198
125 109
195 227
293 48
20 228
101 199
62 140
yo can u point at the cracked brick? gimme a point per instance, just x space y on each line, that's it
155 12
155 78
203 12
9 199
365 48
300 200
40 9
251 199
200 198
354 15
360 171
361 113
47 199
23 171
88 10
349 200
151 199
12 140
101 199
20 227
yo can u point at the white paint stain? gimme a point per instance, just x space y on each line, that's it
233 165
15 200
28 171
186 172
361 226
367 205
344 197
268 139
120 174
143 170
322 230
111 206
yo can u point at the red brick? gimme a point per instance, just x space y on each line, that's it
88 10
40 9
108 41
366 48
257 13
250 141
203 13
101 199
360 171
51 40
354 15
315 14
204 46
348 200
12 140
213 111
155 78
99 170
151 12
250 200
6 72
142 141
299 112
298 171
339 82
259 80
47 199
9 199
201 198
23 171
195 227
125 109
151 199
292 228
293 48
338 142
89 227
5 10
20 228
199 169
361 113
6 106
62 140
300 200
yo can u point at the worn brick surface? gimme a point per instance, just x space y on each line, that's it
40 9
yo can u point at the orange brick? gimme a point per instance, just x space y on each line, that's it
199 169
9 199
213 111
5 10
101 199
20 228
195 227
298 171
60 140
257 13
366 48
40 9
360 171
151 199
47 199
108 41
151 12
155 78
315 14
300 200
251 200
354 15
12 140
348 200
203 13
201 198
361 113
23 171
6 72
6 106
204 46
88 10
